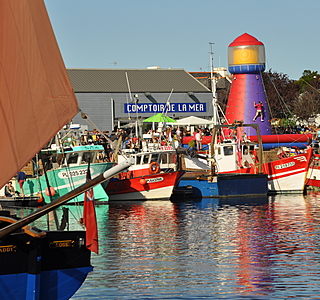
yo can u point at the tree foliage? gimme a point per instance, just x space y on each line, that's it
281 94
308 78
307 104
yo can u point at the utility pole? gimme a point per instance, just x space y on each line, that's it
215 117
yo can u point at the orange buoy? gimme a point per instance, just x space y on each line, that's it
52 190
143 181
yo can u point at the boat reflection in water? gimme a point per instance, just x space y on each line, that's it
207 248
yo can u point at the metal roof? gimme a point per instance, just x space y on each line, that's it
140 80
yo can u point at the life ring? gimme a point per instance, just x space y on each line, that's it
154 167
52 190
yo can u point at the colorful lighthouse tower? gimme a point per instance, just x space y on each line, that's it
247 99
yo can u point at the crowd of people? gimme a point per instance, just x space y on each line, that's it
127 139
294 129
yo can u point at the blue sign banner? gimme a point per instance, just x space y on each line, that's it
160 107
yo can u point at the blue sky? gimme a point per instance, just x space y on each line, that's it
176 33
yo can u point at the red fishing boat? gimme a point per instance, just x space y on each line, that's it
153 176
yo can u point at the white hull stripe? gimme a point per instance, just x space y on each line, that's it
160 193
288 173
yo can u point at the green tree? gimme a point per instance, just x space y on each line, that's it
307 103
308 78
281 94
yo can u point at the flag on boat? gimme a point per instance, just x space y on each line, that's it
239 150
89 218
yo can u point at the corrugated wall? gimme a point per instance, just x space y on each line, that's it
98 106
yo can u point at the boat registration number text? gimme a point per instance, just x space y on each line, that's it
153 180
62 244
283 166
72 173
8 249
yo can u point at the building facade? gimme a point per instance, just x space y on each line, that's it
120 97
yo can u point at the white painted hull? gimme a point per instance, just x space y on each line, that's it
288 183
153 194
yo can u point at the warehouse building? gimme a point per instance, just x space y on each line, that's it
120 97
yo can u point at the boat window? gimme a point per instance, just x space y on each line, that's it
228 150
164 158
87 157
138 160
146 159
245 150
73 158
154 157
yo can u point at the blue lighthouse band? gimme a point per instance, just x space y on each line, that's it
247 69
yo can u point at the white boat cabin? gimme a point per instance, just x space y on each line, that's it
227 158
147 163
78 155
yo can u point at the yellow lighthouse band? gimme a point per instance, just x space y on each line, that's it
243 55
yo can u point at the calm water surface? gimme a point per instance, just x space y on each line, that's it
208 249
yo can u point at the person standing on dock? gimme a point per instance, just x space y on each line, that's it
21 179
198 138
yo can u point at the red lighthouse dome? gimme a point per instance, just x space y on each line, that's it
246 55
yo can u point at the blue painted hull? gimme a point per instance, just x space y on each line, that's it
228 185
52 267
55 284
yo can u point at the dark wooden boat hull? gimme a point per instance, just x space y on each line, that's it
21 202
53 267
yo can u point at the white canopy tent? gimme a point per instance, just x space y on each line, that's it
191 122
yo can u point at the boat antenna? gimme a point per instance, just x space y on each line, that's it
215 106
165 112
136 100
215 117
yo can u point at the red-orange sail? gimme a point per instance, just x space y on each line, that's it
36 96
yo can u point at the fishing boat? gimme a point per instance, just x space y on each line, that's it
36 101
153 176
67 172
313 176
286 174
212 182
286 170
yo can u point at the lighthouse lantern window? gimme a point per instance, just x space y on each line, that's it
246 55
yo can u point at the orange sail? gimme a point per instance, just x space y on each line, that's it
36 96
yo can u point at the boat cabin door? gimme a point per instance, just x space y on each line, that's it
226 157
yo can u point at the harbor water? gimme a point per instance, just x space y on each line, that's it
267 248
